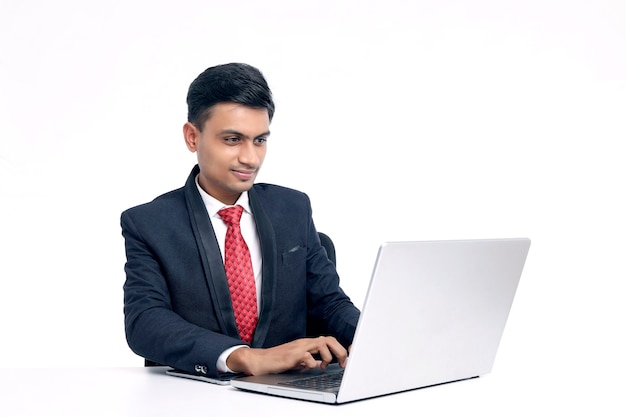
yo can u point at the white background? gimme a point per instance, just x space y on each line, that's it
439 119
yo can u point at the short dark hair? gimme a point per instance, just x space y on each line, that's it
234 82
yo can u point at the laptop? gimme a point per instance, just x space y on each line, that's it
434 313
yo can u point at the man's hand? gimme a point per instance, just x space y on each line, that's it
293 355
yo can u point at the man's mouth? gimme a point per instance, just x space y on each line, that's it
244 174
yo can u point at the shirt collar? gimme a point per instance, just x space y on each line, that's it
213 205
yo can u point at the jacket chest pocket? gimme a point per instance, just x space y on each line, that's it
294 256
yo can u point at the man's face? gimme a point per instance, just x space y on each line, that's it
230 149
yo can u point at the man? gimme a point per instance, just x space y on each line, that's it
181 248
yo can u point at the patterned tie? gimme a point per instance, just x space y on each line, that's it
239 273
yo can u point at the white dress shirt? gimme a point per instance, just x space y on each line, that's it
251 237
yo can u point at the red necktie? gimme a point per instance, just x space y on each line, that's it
238 265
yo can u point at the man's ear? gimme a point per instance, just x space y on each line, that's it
192 135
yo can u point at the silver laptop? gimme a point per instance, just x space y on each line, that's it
434 313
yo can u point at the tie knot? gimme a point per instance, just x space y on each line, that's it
231 215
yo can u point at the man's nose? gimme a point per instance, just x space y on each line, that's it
249 154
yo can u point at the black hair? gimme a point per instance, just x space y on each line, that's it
238 83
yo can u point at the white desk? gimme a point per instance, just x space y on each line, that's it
149 392
140 392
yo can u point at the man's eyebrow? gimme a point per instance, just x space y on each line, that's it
231 132
236 132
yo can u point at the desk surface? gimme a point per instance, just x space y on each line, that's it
150 392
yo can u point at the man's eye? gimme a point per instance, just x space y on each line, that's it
232 139
260 140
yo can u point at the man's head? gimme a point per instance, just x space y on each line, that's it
230 109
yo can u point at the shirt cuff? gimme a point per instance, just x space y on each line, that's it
221 360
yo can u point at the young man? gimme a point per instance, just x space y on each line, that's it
188 301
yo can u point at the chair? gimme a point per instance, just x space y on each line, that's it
315 328
328 244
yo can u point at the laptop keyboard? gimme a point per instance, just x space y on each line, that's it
317 382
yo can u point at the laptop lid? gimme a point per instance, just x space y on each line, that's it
434 313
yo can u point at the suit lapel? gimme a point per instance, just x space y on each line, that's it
268 251
211 256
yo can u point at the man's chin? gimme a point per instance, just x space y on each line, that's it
242 186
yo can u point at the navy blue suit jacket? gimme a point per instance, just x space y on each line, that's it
176 300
